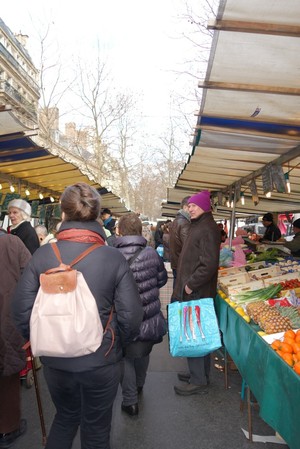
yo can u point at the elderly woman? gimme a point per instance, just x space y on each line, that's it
150 275
14 257
19 212
83 388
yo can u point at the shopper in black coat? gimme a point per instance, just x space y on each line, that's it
150 275
83 389
19 212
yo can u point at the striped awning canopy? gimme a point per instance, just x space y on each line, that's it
246 140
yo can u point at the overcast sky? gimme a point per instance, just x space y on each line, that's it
142 39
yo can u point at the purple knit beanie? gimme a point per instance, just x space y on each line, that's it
201 199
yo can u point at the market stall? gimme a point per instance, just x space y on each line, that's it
274 384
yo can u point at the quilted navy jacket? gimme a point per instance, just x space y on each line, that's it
150 275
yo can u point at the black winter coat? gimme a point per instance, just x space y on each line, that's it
150 275
28 235
199 260
112 284
179 230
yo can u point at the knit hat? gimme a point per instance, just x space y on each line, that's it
296 223
268 217
20 204
201 199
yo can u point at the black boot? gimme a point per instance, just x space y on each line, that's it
131 410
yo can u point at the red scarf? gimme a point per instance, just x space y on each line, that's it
80 235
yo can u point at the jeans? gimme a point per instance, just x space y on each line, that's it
82 399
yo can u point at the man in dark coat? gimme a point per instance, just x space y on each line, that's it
179 230
14 258
272 232
197 274
108 221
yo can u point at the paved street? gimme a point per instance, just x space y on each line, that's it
211 421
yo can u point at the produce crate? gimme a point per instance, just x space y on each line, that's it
249 286
283 277
257 265
238 278
232 270
264 273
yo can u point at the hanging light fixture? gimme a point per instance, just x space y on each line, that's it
287 182
27 192
11 188
41 196
0 186
232 202
227 202
268 194
52 199
242 199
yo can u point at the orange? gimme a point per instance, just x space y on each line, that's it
276 343
289 334
297 338
298 332
288 358
297 367
285 347
280 353
296 347
296 357
289 340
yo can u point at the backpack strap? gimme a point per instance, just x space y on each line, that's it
132 258
78 258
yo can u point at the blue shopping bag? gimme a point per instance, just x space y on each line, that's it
193 328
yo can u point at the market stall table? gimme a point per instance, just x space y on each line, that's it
274 384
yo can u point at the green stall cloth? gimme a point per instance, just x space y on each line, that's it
273 382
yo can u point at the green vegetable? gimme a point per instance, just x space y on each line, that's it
262 294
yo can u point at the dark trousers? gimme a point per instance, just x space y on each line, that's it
199 368
82 399
10 403
134 375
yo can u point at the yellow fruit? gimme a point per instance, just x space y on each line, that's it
231 303
246 318
240 310
261 333
227 300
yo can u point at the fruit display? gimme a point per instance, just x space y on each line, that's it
290 284
288 348
269 319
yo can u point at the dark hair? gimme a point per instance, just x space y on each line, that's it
80 202
130 224
184 201
268 217
106 211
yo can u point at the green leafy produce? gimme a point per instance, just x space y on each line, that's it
262 294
